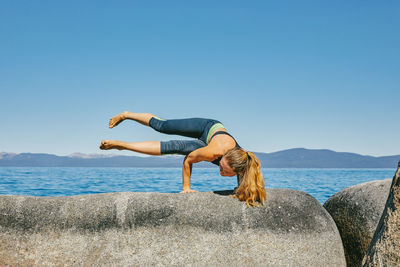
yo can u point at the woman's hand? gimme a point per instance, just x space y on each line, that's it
188 191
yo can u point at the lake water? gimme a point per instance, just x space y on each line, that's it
56 181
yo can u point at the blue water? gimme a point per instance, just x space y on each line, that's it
55 181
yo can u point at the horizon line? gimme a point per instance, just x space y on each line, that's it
145 156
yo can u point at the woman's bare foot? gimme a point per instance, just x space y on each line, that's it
114 121
111 144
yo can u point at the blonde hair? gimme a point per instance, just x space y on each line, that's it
251 182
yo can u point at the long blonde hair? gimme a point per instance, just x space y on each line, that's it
251 182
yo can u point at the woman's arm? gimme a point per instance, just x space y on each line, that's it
201 154
186 173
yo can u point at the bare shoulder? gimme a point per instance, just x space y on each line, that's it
222 141
207 153
220 144
215 149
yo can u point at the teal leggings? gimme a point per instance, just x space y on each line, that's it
193 127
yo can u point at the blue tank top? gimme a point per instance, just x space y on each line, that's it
216 161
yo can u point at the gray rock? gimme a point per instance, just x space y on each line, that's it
197 229
384 249
356 211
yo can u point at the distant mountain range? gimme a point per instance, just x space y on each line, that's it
291 158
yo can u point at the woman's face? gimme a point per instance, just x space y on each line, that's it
225 169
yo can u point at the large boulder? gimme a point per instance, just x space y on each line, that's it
384 249
356 211
200 229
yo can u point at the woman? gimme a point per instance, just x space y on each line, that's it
213 144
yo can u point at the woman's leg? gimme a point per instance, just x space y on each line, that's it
191 127
142 118
157 148
182 147
147 147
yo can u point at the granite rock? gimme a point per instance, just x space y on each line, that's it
356 211
164 229
384 249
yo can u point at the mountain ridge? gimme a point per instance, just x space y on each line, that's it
289 158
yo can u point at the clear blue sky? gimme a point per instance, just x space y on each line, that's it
278 74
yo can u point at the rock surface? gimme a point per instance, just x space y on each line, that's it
136 229
384 249
356 211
